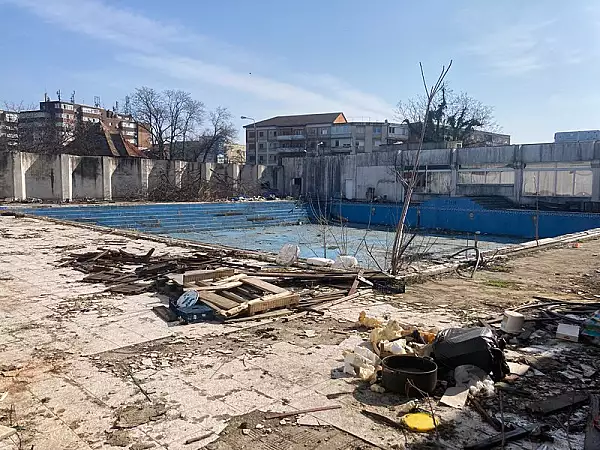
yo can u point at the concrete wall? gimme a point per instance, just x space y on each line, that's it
354 176
64 178
87 177
6 179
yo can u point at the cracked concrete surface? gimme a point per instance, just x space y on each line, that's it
73 357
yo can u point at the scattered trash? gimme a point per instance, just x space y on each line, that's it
284 415
559 402
3 395
345 262
288 255
518 369
319 262
512 322
361 362
368 322
406 407
409 375
310 333
567 332
591 328
198 438
377 388
509 436
478 346
421 422
456 397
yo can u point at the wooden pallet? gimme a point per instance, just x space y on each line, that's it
231 295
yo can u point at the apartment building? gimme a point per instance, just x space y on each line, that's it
366 137
306 134
9 133
317 134
58 120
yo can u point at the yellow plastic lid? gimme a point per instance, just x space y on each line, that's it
419 422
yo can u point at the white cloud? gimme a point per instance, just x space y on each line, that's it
180 54
522 48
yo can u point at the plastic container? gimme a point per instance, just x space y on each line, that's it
512 322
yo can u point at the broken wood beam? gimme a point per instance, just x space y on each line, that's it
263 285
517 433
301 411
558 402
382 419
592 434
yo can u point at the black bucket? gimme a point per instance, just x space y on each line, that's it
399 369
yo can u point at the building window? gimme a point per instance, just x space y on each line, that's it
275 133
298 132
392 130
324 131
251 134
261 159
376 130
360 129
261 134
337 143
261 146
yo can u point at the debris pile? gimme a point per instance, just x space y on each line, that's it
206 286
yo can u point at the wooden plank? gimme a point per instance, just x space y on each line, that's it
559 402
354 286
267 315
196 275
237 277
221 302
215 308
592 434
263 285
274 415
281 300
517 433
219 287
234 297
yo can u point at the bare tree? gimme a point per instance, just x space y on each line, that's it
409 185
150 111
18 106
221 131
169 116
450 117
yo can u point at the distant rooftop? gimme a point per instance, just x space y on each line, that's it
301 120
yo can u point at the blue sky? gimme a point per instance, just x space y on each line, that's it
537 62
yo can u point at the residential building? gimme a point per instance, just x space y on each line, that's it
9 133
366 137
306 134
58 120
317 134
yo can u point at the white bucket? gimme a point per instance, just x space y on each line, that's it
512 322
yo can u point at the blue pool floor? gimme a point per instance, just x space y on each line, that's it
312 238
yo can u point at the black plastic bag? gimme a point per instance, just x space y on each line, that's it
455 347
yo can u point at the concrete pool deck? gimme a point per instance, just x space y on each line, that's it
64 345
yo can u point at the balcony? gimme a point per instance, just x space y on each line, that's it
289 150
291 137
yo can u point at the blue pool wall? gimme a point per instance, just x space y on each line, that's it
463 215
167 218
460 215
